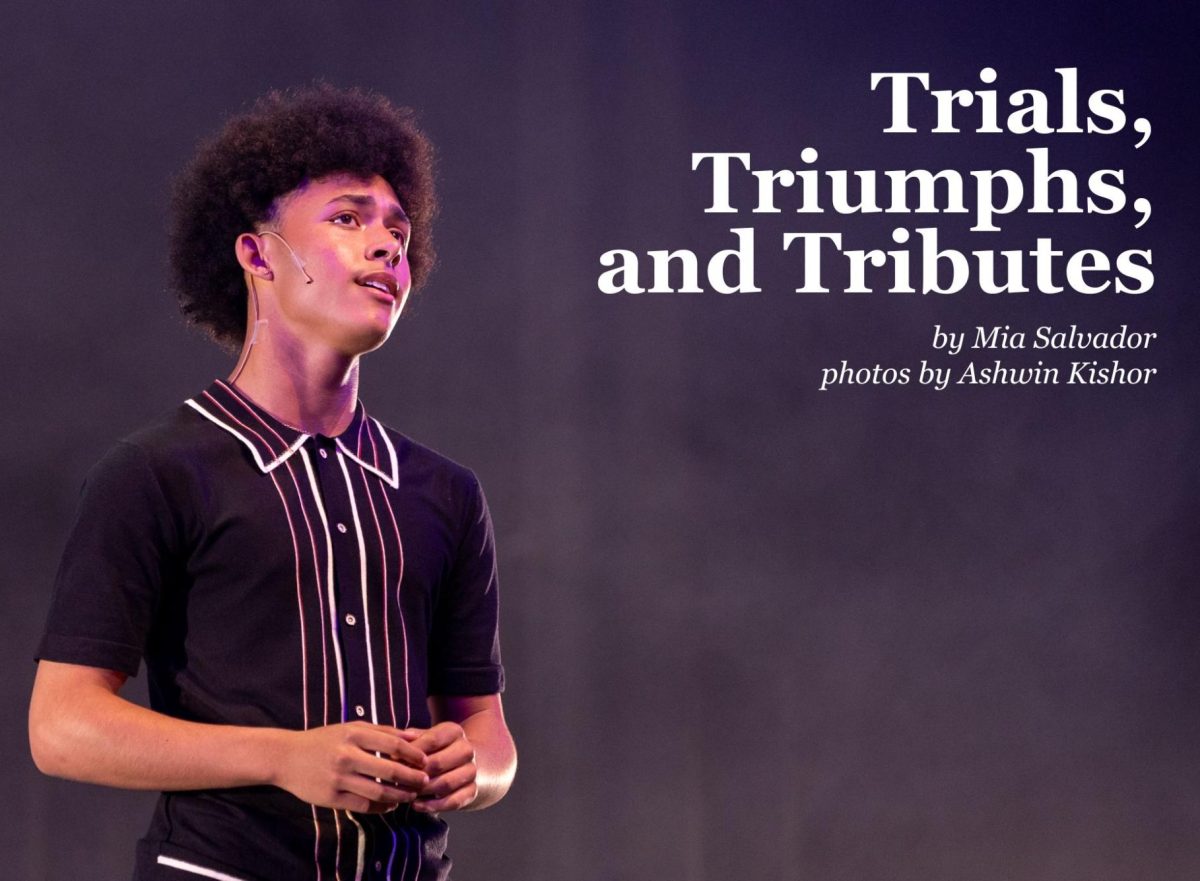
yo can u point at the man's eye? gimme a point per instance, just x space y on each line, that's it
344 217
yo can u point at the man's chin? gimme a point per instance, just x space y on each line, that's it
364 342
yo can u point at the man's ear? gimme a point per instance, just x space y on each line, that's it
248 248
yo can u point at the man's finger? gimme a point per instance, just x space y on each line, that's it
451 781
373 791
390 743
438 737
455 801
391 772
457 753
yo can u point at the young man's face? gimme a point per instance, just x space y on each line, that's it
351 235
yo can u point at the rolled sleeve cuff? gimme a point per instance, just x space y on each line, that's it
89 653
464 681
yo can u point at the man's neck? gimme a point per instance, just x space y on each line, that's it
315 392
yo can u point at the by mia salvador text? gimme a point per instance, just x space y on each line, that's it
920 264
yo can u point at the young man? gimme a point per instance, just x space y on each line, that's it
313 593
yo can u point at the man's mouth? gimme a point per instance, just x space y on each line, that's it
382 282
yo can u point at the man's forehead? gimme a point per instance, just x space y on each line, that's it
371 191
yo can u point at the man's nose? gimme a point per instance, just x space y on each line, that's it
387 248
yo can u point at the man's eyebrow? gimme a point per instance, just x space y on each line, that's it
396 215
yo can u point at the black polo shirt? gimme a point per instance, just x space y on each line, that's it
271 577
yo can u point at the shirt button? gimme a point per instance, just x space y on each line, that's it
379 865
359 711
351 620
324 455
341 528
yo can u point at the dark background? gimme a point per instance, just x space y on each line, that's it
752 630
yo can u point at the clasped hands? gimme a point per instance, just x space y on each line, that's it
357 766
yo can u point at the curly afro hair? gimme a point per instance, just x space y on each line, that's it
231 186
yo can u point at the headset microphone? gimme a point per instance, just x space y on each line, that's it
299 264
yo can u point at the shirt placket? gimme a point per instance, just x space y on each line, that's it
347 545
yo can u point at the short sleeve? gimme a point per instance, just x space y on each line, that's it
465 642
113 568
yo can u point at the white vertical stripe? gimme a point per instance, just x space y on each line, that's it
400 610
337 651
362 847
362 577
316 842
337 852
312 543
383 564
